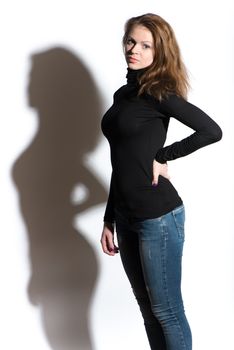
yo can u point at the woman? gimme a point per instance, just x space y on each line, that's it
144 205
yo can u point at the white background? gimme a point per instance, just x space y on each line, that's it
93 32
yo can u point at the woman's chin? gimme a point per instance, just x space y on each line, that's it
134 65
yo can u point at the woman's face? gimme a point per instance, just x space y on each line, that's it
139 48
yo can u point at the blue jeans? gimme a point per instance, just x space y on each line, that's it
151 253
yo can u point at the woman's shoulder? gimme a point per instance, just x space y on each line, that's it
168 105
119 90
170 101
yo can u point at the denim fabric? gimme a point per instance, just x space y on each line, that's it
151 253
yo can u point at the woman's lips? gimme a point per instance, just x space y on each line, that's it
132 60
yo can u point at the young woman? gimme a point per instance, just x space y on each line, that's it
146 209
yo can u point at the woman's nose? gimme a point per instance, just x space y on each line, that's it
135 48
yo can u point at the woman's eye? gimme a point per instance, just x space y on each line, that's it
129 41
146 46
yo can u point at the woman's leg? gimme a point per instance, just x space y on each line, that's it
161 245
129 251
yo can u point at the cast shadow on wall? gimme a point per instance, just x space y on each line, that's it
64 266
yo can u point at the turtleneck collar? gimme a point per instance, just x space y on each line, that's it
133 75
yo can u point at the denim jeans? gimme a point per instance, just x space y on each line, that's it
151 253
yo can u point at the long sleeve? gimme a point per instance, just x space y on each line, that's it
109 215
207 131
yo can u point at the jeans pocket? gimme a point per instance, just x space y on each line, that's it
179 218
151 229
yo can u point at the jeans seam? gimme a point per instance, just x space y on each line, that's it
178 209
163 261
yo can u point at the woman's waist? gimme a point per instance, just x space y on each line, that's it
132 184
126 213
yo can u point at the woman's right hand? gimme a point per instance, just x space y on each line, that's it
107 239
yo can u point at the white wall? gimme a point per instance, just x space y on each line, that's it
49 317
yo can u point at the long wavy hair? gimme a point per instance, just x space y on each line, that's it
167 74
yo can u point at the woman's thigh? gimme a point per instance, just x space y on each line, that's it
161 245
128 243
129 251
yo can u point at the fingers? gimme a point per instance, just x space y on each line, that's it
155 180
106 246
107 242
156 170
159 169
165 171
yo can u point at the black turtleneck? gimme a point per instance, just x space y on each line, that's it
136 128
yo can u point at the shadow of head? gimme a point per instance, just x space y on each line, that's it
63 91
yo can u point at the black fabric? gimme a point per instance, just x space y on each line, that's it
136 128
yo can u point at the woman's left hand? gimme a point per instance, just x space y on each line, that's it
159 169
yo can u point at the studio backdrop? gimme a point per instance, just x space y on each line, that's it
61 62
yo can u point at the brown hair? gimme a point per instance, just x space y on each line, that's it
167 74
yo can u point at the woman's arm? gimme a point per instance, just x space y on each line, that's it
107 237
207 131
109 215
